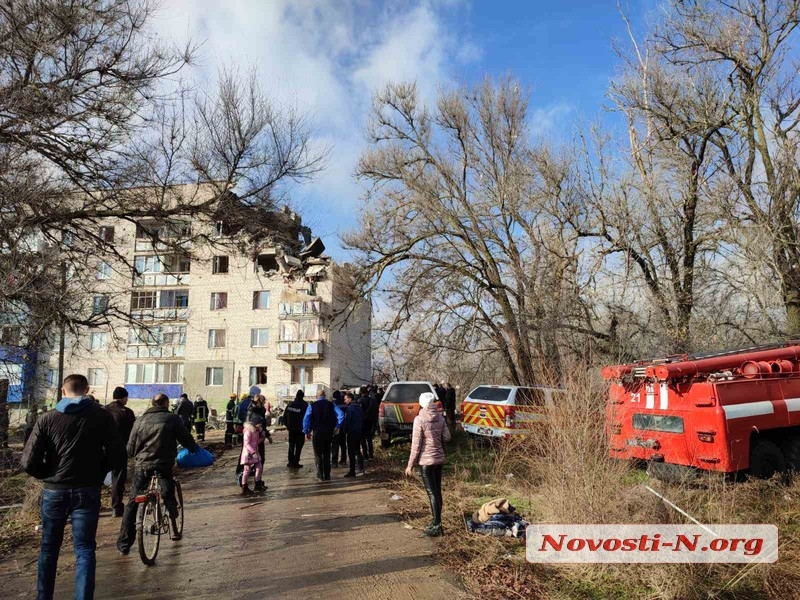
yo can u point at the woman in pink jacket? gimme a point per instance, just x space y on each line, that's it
251 459
427 450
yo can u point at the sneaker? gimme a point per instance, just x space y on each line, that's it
349 474
298 466
289 466
320 478
327 478
361 473
175 535
124 550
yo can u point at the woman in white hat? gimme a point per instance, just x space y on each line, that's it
427 450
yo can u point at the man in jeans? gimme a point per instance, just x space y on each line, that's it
71 449
323 419
154 445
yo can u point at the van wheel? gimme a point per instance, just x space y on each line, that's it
790 448
765 460
386 443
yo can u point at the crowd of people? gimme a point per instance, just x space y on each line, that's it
72 448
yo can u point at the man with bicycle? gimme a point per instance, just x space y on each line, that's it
154 445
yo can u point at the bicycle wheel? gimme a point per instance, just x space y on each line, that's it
149 534
179 499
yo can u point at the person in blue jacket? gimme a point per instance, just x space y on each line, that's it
244 405
323 420
353 429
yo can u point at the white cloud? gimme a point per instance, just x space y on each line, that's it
327 56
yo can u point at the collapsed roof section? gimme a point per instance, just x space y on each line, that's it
281 245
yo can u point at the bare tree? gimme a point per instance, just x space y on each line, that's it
458 230
746 47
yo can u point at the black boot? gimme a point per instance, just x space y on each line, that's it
260 487
246 491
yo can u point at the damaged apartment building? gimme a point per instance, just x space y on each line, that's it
239 307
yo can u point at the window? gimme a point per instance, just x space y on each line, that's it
259 337
147 264
169 373
258 375
98 340
106 234
216 338
96 377
219 300
99 304
174 299
490 394
304 375
665 423
103 270
260 300
530 397
219 264
184 264
222 228
267 262
9 335
154 373
213 376
143 300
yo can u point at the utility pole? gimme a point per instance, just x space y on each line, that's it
61 334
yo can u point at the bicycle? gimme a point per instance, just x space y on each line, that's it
153 519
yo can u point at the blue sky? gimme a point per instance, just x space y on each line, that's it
328 56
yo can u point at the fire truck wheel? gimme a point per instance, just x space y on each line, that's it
765 460
791 452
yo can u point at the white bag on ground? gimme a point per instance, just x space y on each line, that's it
107 480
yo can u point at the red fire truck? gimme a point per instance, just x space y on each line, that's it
734 412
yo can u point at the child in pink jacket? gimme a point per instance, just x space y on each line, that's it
251 459
427 450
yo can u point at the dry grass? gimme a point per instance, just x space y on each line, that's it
562 474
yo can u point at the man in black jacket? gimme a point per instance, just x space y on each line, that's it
323 419
154 445
124 419
185 410
450 405
71 449
293 416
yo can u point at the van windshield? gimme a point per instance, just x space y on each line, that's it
406 392
490 394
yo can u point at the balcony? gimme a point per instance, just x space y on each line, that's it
299 310
142 351
160 314
293 350
161 279
147 245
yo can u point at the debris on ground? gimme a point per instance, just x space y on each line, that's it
396 497
497 518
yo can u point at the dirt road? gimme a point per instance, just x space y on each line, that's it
302 539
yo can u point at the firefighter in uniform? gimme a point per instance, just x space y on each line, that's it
200 417
230 414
